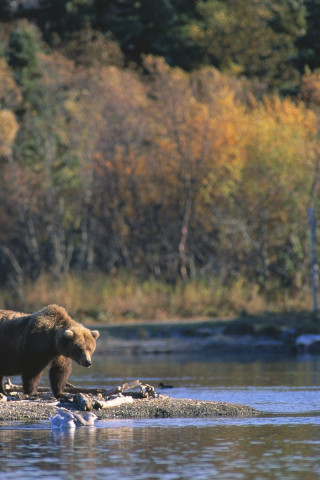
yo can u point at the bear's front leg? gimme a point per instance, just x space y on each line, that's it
30 383
58 374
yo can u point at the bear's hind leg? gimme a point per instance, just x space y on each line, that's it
2 390
58 374
30 383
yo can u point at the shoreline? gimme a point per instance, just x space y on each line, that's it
256 335
211 345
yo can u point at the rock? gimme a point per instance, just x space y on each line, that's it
82 402
148 391
3 398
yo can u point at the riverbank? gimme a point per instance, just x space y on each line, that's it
266 334
215 344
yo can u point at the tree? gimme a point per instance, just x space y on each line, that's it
274 191
23 54
6 10
253 38
92 48
309 41
198 152
10 93
8 131
62 17
54 145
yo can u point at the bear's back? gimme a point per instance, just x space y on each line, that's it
6 315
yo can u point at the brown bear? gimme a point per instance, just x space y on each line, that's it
31 342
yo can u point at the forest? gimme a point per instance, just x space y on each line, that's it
168 143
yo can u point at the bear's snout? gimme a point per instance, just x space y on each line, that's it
85 360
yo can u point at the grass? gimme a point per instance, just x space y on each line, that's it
106 299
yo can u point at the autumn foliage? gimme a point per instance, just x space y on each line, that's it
167 174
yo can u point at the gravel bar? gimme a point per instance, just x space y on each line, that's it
161 407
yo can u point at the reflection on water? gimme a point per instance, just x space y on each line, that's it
164 450
191 370
282 444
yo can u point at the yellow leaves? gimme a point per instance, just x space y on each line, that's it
8 130
295 114
72 104
278 168
57 71
227 149
194 32
120 87
279 133
202 132
156 65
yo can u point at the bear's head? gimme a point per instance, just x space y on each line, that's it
78 343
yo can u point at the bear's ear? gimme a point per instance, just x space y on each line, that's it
68 333
95 334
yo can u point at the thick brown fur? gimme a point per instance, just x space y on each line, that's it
31 342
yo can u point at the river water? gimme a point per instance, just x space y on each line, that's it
283 443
